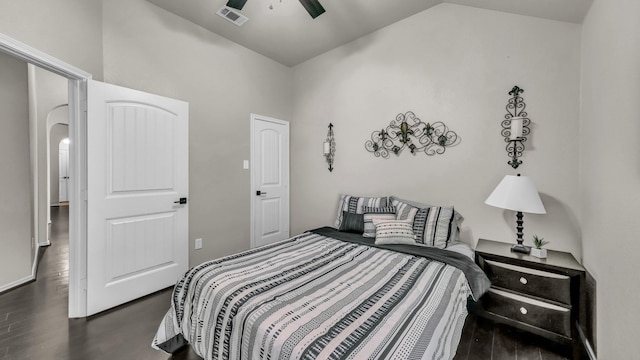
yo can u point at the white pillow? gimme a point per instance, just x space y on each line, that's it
369 227
394 232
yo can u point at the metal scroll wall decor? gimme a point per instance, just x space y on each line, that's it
515 126
408 131
329 147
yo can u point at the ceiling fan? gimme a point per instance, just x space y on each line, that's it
313 7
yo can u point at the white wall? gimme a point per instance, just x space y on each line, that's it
150 49
454 64
610 169
15 177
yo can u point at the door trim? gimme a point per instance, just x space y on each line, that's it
77 165
254 118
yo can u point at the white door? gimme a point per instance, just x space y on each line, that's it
63 171
269 179
137 172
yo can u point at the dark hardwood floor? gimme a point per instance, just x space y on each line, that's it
34 323
483 340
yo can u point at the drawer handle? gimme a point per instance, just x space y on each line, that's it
523 311
523 281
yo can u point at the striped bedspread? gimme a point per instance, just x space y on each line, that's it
315 297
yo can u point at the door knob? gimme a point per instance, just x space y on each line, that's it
181 201
260 193
523 311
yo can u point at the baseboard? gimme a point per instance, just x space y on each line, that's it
16 283
26 279
36 261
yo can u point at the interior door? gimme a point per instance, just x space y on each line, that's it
63 171
270 180
137 176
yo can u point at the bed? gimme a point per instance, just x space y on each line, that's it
325 294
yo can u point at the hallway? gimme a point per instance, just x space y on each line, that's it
34 323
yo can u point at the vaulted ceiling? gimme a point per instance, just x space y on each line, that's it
283 31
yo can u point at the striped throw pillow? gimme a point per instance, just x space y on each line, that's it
371 213
433 225
394 232
406 212
355 205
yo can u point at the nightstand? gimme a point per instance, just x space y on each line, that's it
541 296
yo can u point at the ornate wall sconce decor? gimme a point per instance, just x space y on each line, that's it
408 131
329 147
515 126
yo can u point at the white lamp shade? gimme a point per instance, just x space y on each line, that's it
517 193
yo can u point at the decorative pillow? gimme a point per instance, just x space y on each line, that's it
352 222
394 232
355 205
406 212
370 213
433 225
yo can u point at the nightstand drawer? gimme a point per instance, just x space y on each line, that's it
528 281
540 314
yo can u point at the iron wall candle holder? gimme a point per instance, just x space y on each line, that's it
408 131
515 127
329 147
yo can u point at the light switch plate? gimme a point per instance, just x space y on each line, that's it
245 164
198 244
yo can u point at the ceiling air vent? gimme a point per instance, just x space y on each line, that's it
232 15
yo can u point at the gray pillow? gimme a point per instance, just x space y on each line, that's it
353 223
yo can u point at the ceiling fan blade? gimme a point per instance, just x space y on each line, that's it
236 4
313 7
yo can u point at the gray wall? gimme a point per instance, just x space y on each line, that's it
150 49
454 64
610 170
15 177
70 30
222 81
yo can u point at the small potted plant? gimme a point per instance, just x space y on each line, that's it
537 250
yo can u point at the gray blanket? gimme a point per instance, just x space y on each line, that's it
478 281
316 297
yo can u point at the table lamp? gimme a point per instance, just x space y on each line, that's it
517 193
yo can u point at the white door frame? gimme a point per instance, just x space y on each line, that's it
254 118
77 165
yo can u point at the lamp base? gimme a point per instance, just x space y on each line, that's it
519 248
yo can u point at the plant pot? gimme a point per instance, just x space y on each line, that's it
539 253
